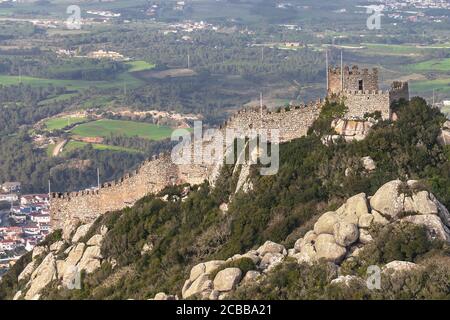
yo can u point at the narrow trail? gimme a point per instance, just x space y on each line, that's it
58 148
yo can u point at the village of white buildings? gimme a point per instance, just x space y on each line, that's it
24 222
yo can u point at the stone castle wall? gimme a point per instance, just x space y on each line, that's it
292 123
359 103
154 175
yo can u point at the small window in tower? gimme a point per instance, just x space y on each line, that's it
360 85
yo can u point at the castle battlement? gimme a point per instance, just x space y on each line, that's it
352 70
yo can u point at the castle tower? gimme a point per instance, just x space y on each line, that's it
351 79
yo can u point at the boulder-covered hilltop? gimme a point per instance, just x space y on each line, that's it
310 231
398 224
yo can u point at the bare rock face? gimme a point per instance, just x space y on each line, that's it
328 249
399 266
435 228
75 254
202 285
205 268
37 251
27 271
387 200
90 260
378 218
57 246
368 163
444 136
163 296
213 265
227 279
271 247
365 220
421 203
442 211
17 295
364 236
345 233
251 277
147 247
95 240
69 227
354 206
81 232
326 223
347 280
253 255
42 276
270 261
307 254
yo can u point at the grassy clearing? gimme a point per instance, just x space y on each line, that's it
61 123
139 65
106 127
73 145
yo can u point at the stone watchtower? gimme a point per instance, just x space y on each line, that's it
352 80
360 92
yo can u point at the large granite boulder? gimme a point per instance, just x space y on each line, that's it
91 259
387 199
271 247
326 222
202 285
354 206
435 228
345 233
327 248
227 279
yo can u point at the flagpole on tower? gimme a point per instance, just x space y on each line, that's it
326 59
261 107
98 178
342 71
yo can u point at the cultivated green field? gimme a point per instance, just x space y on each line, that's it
61 123
440 85
106 127
139 65
75 85
73 145
442 65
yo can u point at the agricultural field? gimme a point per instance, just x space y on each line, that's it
62 122
73 145
441 65
439 85
107 127
125 78
139 65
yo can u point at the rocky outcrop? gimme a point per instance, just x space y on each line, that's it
63 262
201 283
41 277
227 279
335 236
